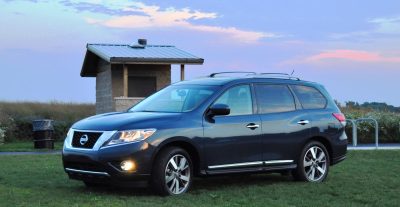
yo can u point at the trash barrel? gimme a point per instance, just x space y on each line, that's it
43 134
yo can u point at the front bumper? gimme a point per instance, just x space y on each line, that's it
102 165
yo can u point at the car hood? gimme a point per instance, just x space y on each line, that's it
125 120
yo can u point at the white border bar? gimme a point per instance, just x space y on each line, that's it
277 162
87 172
236 164
270 162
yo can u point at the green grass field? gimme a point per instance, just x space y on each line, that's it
25 146
366 178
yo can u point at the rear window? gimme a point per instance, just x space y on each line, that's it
310 98
274 99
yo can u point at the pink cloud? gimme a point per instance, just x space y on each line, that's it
352 55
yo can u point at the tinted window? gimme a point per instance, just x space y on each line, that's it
310 98
238 99
274 98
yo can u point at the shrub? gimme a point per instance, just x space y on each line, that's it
16 117
2 135
388 123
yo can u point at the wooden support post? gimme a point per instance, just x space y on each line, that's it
125 76
182 72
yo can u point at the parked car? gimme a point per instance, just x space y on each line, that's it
209 126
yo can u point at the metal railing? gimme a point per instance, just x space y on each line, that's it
354 123
256 75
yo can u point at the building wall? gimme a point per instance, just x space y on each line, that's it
104 98
109 84
124 103
161 72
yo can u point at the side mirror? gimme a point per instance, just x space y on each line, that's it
219 109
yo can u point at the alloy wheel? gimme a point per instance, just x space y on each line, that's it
315 163
177 174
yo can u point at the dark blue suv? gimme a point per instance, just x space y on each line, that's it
209 126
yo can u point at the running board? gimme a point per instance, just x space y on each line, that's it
252 169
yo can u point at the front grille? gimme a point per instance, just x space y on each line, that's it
85 139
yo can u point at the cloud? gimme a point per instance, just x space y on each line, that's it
342 56
387 25
94 7
150 16
380 26
351 55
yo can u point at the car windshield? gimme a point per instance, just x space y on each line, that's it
175 99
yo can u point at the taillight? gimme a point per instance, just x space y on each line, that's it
340 117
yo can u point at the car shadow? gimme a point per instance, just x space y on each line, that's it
199 185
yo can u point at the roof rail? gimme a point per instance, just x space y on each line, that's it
286 74
258 75
278 75
212 75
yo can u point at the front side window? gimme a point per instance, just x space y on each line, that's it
310 98
182 98
274 99
238 99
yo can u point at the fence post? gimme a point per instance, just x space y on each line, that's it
376 129
376 133
354 131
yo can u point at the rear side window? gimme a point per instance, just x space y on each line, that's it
274 98
310 98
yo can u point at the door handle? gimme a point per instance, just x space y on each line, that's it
252 126
303 122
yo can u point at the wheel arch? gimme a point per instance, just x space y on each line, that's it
184 143
325 141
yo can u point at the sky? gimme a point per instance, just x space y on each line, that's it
351 47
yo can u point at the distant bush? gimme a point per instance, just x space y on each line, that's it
16 117
2 136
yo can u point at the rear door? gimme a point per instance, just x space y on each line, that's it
233 141
284 124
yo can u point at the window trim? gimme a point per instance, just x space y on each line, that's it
223 92
296 106
294 92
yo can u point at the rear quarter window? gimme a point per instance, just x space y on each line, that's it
274 99
309 97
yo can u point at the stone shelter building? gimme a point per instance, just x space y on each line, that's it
127 73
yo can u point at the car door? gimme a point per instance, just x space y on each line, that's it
233 141
284 125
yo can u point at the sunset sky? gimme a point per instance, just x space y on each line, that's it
351 47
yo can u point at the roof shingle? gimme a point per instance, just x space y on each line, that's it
126 54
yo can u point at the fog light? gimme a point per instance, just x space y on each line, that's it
128 165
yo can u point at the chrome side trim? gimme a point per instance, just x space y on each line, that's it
236 164
87 172
269 162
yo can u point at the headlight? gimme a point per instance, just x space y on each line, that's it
68 139
70 132
130 136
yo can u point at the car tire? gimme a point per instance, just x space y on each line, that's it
313 163
172 172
